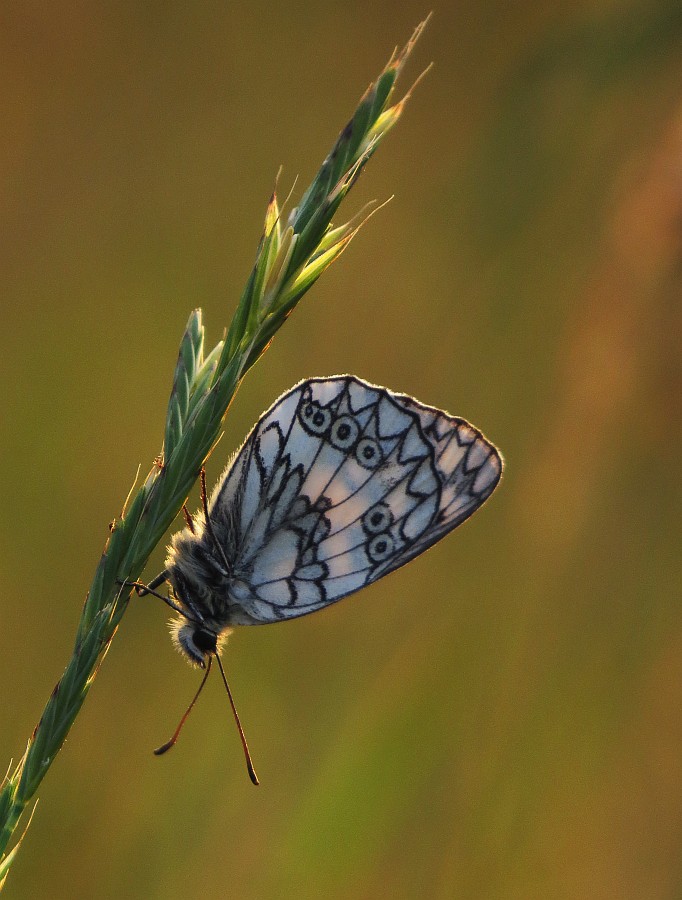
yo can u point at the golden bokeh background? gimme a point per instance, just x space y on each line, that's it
502 718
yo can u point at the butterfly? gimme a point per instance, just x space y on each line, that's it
339 483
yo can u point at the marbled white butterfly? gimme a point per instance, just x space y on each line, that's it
339 483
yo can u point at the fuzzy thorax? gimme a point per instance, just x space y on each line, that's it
200 584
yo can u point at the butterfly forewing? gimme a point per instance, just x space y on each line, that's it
339 483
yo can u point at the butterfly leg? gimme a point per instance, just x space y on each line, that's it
142 589
207 521
189 521
204 495
149 588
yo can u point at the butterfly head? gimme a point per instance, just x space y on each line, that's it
198 644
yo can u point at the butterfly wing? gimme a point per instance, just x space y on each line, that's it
339 483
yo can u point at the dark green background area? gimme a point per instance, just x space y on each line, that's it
502 718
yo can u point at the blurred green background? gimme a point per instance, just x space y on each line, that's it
502 718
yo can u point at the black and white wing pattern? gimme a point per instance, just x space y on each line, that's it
339 483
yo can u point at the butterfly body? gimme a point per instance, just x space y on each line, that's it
339 483
205 588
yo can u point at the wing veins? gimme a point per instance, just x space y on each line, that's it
348 550
445 517
255 435
427 443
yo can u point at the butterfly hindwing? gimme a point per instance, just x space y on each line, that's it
339 483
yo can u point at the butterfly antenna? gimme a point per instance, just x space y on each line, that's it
171 743
247 755
207 521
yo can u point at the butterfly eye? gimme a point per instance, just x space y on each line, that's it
377 519
204 641
380 547
368 453
315 418
344 432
